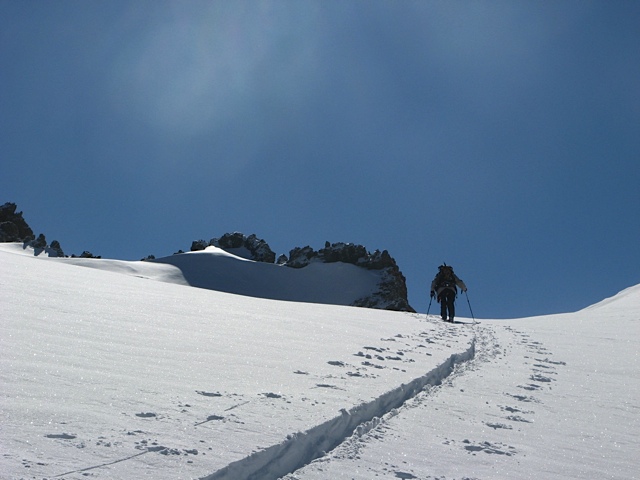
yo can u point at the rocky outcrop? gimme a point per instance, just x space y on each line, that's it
258 249
55 246
300 257
40 242
13 228
250 247
86 254
392 291
198 245
391 294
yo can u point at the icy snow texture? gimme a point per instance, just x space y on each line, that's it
113 376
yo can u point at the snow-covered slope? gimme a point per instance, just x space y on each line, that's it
104 375
217 269
555 397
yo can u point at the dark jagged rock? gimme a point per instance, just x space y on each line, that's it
40 242
255 248
392 291
198 245
344 252
87 254
9 232
55 246
229 240
301 257
391 294
379 260
13 228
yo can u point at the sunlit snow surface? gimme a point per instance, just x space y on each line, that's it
112 376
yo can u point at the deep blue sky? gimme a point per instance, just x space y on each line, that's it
501 137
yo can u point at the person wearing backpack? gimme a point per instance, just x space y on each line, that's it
444 287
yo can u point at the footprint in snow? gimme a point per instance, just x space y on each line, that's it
369 364
546 360
208 394
517 418
531 386
540 378
512 409
365 355
146 415
404 475
272 395
487 447
523 398
210 418
495 426
27 463
375 349
61 436
360 375
539 365
326 385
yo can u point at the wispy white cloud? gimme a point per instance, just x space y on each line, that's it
191 69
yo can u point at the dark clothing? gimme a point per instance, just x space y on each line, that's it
447 299
445 290
438 286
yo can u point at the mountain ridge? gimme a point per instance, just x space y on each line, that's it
351 276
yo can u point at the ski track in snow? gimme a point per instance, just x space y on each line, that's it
341 432
518 410
142 444
301 448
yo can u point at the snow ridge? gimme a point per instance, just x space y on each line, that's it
302 448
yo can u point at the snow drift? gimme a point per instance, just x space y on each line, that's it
213 268
216 269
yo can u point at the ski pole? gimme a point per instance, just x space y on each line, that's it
430 299
468 303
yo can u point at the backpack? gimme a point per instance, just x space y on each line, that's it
445 277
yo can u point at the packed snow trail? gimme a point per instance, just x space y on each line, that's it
302 448
544 397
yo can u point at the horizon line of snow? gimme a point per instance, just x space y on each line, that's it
302 448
